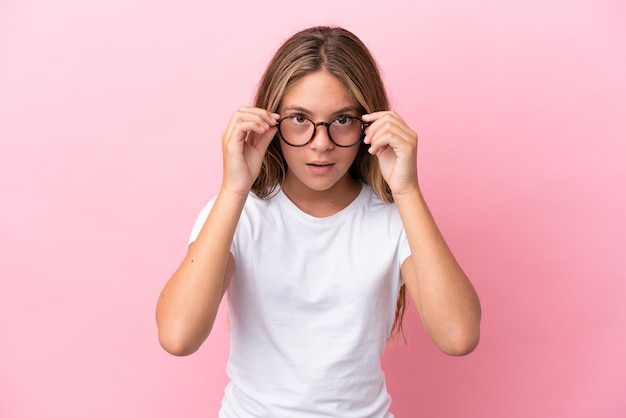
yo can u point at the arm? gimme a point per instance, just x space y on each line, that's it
189 301
446 300
443 295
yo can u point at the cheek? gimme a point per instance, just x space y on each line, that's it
352 154
287 151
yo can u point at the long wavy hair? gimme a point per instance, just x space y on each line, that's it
344 55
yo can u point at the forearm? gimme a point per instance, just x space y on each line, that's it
447 302
189 302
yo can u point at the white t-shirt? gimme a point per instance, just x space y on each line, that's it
311 305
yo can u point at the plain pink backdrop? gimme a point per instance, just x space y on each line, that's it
110 122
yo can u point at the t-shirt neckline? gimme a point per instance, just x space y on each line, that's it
335 217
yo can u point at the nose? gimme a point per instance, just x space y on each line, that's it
321 140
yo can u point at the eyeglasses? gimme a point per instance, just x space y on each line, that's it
299 131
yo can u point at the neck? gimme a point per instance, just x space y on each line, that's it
321 203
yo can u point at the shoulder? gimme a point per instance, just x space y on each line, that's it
375 203
261 212
255 203
369 211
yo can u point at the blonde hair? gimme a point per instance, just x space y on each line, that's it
344 55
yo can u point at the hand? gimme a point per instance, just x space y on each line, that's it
244 143
395 145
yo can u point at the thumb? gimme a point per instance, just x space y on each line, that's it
262 141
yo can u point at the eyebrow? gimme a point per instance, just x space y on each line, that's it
307 112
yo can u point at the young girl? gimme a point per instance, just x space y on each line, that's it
317 230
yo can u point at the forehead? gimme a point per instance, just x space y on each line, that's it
319 92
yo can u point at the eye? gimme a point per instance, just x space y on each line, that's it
344 120
298 119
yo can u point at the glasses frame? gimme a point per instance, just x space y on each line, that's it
327 125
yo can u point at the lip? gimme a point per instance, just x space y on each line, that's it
320 167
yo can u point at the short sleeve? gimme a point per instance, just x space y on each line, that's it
404 251
200 220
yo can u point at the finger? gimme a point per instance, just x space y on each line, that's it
388 119
380 143
263 140
394 137
244 131
250 113
388 129
248 119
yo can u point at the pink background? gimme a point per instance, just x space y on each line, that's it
110 120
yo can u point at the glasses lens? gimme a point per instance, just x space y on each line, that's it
346 130
296 130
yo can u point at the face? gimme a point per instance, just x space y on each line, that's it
320 166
